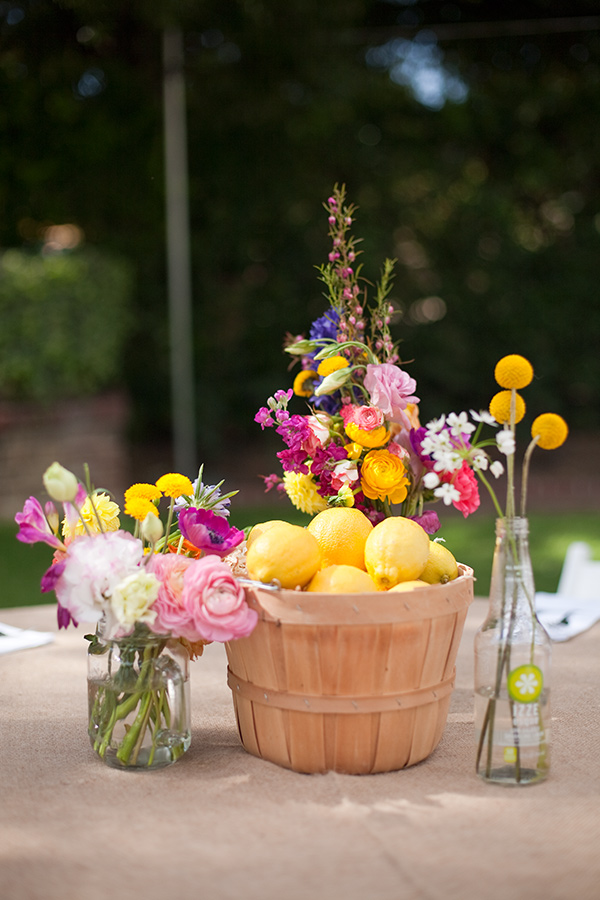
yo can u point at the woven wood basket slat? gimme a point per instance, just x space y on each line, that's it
351 683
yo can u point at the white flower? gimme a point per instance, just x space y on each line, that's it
132 598
61 484
436 424
448 493
480 461
431 480
483 416
447 461
459 424
505 440
497 469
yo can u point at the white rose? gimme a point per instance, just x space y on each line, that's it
132 598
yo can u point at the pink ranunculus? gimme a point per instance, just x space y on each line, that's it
465 483
216 602
368 417
344 472
33 525
391 389
318 434
172 617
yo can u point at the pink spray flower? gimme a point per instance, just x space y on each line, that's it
172 617
33 525
391 389
216 602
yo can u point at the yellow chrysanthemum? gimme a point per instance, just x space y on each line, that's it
327 366
139 507
500 407
353 450
108 513
383 476
375 438
173 485
513 371
551 431
147 491
302 491
303 383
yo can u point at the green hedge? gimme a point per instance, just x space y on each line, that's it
65 317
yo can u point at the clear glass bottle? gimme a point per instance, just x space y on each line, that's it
138 700
512 669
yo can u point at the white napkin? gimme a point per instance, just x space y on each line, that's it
12 638
564 616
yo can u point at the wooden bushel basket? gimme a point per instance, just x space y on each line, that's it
355 683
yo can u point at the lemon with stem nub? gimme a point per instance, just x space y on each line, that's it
441 566
285 553
342 580
261 527
396 550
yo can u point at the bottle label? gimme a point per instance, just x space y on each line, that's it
525 684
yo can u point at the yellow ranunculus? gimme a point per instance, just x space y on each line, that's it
377 437
383 476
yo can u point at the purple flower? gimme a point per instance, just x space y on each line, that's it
33 525
64 617
429 521
51 576
293 460
325 327
209 532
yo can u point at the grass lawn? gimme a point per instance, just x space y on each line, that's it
470 540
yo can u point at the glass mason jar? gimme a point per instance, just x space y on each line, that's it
512 669
138 700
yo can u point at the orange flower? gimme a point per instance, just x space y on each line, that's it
383 476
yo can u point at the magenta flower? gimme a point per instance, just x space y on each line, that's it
215 601
429 521
33 525
208 532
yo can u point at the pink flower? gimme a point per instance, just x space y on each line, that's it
33 525
368 417
318 434
171 615
465 483
347 411
215 601
209 532
391 389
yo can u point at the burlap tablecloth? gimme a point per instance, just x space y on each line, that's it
221 824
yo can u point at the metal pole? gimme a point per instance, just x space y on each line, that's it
178 255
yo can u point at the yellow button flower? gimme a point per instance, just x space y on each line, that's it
500 407
551 431
174 485
513 371
139 507
383 476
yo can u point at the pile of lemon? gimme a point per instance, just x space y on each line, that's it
341 551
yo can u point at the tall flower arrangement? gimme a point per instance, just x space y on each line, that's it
143 587
360 441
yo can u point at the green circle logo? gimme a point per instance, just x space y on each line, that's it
525 684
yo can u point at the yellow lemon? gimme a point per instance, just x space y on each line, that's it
286 553
396 550
408 586
342 580
341 532
441 566
261 527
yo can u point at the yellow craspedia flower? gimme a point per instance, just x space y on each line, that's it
551 431
500 407
513 371
107 511
383 476
173 485
303 383
375 438
302 491
147 491
327 366
139 507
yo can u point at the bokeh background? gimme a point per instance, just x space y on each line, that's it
467 133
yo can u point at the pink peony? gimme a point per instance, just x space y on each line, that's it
171 615
215 601
465 483
391 389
